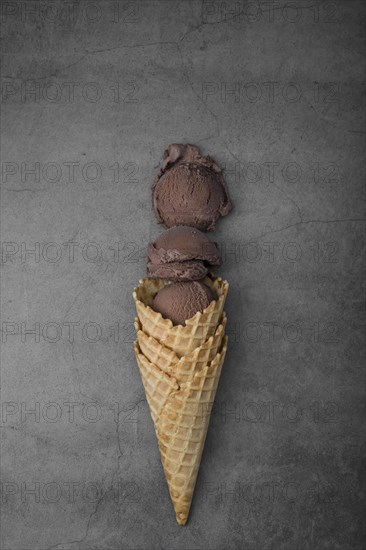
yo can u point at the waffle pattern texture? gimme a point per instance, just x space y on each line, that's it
180 368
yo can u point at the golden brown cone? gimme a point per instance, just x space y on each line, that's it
181 415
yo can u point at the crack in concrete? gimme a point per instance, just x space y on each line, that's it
289 199
236 15
114 475
68 543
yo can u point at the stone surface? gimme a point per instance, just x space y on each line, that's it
93 92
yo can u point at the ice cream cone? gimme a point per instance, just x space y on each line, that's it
182 339
180 323
181 413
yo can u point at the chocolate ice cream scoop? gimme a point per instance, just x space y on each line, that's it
182 253
180 301
189 189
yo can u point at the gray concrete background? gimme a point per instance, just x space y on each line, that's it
107 86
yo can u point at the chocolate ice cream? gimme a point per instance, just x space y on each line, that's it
181 301
182 253
189 189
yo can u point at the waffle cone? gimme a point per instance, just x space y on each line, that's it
173 365
157 384
182 339
181 414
